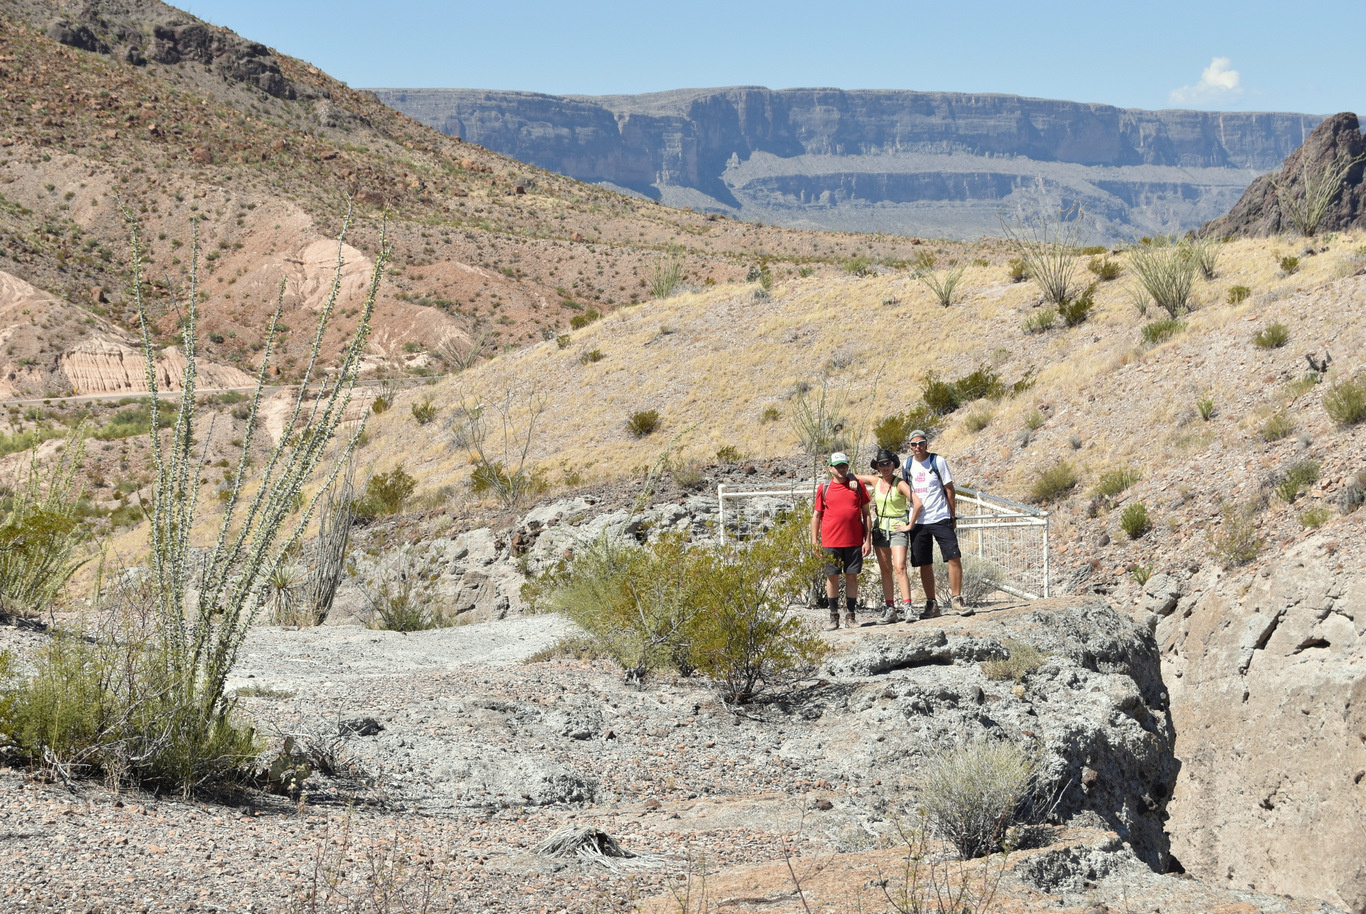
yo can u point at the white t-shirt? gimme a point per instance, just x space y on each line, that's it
930 488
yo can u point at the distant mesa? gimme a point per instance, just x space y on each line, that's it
924 163
1331 165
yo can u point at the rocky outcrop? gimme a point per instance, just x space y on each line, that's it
101 365
1266 671
1336 142
883 159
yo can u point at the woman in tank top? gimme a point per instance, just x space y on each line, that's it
895 509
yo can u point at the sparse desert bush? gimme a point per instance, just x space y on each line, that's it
1205 408
977 792
978 419
942 287
386 493
1238 294
401 597
588 357
1134 520
1141 574
1272 336
424 412
981 578
1048 247
498 432
1205 252
1075 311
1353 493
579 321
1345 401
1315 517
943 397
1237 541
1162 330
1289 264
770 414
858 266
1034 421
1306 205
1104 268
1276 426
1166 271
667 276
1041 321
1021 659
494 478
1017 269
563 340
41 532
571 647
1116 480
687 474
643 422
729 453
1054 482
1298 477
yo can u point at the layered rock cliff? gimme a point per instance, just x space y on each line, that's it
914 162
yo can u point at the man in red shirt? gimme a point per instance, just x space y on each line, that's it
840 525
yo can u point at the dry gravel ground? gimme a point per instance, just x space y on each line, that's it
481 758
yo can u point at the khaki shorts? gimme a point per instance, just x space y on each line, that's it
883 539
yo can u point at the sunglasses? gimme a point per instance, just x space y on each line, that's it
886 463
919 443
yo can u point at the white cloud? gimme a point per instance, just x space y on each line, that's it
1219 83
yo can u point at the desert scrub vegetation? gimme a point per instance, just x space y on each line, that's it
1021 659
146 701
666 276
1103 268
1305 205
41 532
1272 336
1289 264
975 794
1054 482
1276 426
1047 247
1345 401
671 605
1076 310
1166 270
1237 541
1297 477
943 286
1116 480
643 422
1238 294
1133 520
892 431
386 493
1041 321
1159 331
424 412
497 431
983 383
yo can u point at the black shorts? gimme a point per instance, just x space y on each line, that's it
843 560
923 538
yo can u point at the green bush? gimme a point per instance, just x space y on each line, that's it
579 321
1075 311
1166 271
942 287
1237 541
1162 330
1315 517
729 453
1021 659
386 493
770 414
1238 294
1142 573
1104 268
591 356
424 412
943 397
643 422
563 340
134 420
978 419
1041 321
1300 476
666 277
858 266
1017 269
1273 336
977 792
1034 421
1054 482
1345 401
1289 264
492 477
1205 408
1277 426
41 532
1114 481
1134 520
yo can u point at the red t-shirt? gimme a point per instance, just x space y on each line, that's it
841 518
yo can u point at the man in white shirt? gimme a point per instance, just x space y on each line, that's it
929 477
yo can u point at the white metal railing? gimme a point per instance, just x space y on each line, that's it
1012 537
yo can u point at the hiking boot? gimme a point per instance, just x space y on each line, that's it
931 610
850 621
890 615
908 612
834 622
960 604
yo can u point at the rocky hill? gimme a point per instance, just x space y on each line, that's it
917 163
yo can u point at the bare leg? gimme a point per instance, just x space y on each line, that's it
832 590
927 581
903 582
884 565
955 576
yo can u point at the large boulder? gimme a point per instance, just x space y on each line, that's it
1266 670
1259 212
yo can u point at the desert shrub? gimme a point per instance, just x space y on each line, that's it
1017 270
687 474
1034 421
770 414
1134 520
1305 206
858 266
729 453
1166 271
1276 426
975 793
41 532
1205 252
381 404
1021 659
1093 250
588 357
563 340
981 578
1289 264
978 419
942 287
1116 480
891 433
571 647
1104 268
1048 246
1237 541
1238 294
1041 321
1075 311
424 412
819 421
494 478
337 514
1054 482
579 321
667 276
401 598
1345 401
1353 493
1315 517
1141 574
1298 477
1273 336
130 421
643 422
943 397
386 493
1160 331
1205 408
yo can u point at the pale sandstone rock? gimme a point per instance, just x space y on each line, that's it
102 365
1266 671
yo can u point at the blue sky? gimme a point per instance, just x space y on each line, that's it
1248 56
